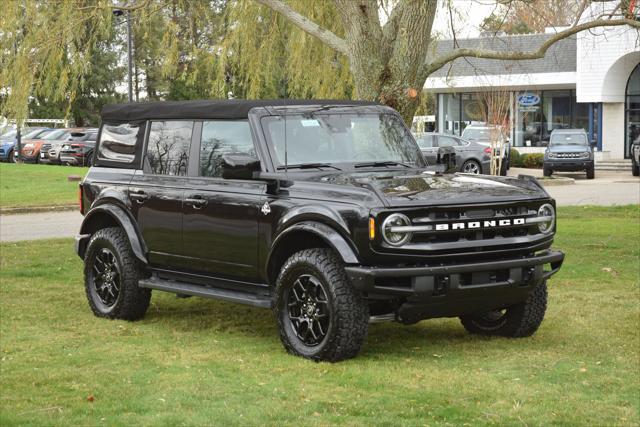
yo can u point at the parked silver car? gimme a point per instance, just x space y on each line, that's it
482 134
471 157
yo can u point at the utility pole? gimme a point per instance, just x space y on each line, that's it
129 54
117 13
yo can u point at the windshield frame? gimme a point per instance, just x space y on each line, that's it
347 165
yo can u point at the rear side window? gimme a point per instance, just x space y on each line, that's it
447 141
118 143
168 147
223 137
425 141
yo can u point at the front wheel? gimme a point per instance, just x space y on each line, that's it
546 171
12 157
111 274
520 320
591 173
320 315
635 168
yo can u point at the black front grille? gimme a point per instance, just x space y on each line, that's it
45 148
471 229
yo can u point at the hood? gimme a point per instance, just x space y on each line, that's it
569 148
416 187
7 144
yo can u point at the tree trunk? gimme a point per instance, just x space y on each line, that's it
386 61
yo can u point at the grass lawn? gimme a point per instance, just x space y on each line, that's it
203 362
24 185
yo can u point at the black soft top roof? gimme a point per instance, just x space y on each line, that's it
205 109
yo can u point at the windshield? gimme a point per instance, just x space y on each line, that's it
568 139
10 134
57 135
341 138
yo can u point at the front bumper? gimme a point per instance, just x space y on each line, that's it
573 165
457 289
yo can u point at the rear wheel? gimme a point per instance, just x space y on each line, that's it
111 273
320 315
471 166
520 320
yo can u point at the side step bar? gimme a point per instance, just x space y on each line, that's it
183 288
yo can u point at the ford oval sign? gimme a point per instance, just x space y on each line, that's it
528 100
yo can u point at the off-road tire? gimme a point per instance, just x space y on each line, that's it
12 157
348 313
635 168
132 301
591 173
520 320
547 171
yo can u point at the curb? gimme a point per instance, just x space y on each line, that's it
550 182
37 209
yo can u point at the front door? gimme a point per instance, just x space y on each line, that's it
220 222
156 192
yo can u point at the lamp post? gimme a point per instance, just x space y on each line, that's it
120 12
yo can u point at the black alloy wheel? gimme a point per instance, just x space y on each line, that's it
309 311
106 278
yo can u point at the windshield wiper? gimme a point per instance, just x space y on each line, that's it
309 166
382 163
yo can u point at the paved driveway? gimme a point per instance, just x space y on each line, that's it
44 225
608 188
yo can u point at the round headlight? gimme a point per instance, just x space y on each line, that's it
395 237
547 213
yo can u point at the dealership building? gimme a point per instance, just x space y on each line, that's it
589 81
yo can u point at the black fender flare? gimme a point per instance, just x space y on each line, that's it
328 234
121 217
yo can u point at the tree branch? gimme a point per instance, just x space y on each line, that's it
306 25
516 56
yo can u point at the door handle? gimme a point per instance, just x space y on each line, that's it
197 202
139 196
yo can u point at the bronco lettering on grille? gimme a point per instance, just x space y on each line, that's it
491 223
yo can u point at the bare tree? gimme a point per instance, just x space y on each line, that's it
496 104
390 62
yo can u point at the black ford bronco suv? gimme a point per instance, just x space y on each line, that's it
323 211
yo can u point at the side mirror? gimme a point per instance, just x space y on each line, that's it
239 166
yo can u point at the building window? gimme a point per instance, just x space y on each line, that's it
528 122
632 110
449 120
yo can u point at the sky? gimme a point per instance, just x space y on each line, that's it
467 17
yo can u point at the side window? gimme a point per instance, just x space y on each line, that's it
168 147
447 141
425 141
223 137
118 142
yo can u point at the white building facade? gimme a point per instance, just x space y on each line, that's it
589 81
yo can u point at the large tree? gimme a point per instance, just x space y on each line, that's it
379 50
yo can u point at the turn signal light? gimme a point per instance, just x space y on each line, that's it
372 228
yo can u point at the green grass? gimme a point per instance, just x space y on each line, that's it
203 362
23 185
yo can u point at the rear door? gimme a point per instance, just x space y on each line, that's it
429 148
220 223
156 191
